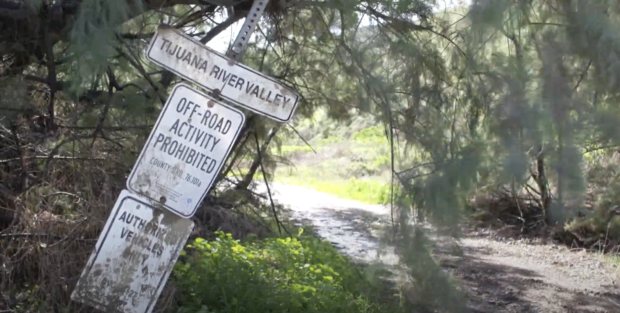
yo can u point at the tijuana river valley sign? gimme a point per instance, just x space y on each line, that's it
133 257
186 150
243 86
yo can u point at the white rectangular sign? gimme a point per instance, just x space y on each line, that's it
192 60
186 150
133 257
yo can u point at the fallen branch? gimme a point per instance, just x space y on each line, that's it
301 137
39 236
45 157
273 206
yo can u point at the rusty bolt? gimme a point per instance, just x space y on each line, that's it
215 93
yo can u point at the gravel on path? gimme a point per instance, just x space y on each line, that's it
498 274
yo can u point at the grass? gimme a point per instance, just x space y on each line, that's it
610 259
367 191
371 191
348 162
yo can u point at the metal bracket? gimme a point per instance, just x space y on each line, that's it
249 25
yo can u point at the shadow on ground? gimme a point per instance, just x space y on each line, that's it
493 277
490 286
493 287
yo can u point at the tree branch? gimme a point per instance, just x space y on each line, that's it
262 168
51 71
133 60
15 10
60 85
104 112
167 76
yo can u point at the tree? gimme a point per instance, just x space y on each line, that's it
500 84
80 100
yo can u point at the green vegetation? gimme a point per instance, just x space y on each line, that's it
502 111
347 161
299 274
368 191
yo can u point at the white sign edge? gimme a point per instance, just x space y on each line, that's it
182 34
101 240
151 135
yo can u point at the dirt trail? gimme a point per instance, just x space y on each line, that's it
500 275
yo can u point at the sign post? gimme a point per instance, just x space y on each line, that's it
248 27
235 82
177 167
133 257
186 150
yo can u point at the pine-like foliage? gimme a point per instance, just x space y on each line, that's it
93 38
500 94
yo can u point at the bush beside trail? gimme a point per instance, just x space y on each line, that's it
594 228
300 274
55 196
592 222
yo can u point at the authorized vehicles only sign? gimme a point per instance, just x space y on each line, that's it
133 257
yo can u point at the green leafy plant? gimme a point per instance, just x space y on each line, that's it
300 274
371 135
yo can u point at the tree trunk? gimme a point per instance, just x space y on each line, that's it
541 181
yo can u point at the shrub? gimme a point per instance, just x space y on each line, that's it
371 135
299 274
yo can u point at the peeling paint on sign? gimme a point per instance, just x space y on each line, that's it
133 257
192 60
186 150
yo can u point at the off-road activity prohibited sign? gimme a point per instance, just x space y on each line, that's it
186 150
133 257
243 86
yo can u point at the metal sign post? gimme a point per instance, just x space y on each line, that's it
249 25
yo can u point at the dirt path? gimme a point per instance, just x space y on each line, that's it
500 275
